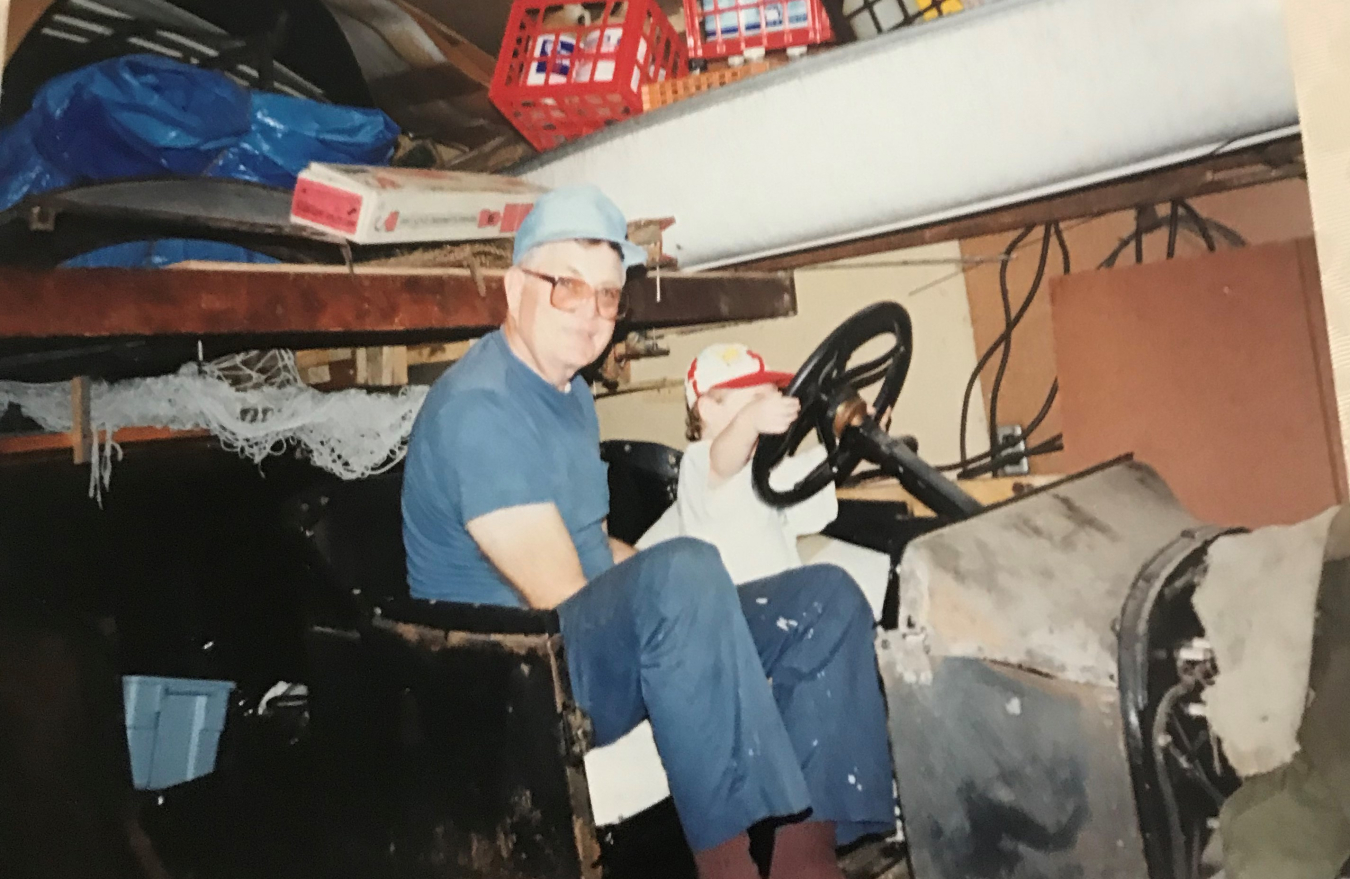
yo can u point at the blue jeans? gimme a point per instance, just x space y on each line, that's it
764 700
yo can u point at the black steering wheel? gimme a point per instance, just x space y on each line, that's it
823 383
828 389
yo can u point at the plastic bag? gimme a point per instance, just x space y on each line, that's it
22 168
137 116
145 115
164 252
288 133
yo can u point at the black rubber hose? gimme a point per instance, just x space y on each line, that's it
1169 796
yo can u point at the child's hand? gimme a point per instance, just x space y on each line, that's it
773 414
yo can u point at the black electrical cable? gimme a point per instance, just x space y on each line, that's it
1138 236
1063 245
1010 442
1177 842
989 352
1208 230
1044 411
1053 444
1003 340
1009 325
1066 268
1172 224
1201 225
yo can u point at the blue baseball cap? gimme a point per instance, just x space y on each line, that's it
572 213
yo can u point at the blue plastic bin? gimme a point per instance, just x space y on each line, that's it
173 728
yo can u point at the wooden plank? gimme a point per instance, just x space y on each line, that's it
45 442
470 60
383 366
1260 214
81 436
991 490
419 355
1277 160
310 358
1210 370
261 300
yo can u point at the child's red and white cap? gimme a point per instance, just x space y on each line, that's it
728 366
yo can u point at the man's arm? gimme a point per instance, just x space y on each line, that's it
532 549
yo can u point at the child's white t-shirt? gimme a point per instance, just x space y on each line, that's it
754 539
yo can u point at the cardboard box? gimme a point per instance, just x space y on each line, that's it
377 205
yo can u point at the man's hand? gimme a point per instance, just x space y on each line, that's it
531 547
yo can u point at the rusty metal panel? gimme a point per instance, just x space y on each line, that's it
1007 774
1036 583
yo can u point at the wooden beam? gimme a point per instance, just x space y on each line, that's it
384 366
1278 160
81 434
986 490
46 442
261 300
442 353
671 299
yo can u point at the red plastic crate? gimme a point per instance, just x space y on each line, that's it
558 79
722 28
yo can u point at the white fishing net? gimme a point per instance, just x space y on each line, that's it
254 403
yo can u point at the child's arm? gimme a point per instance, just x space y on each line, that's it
732 448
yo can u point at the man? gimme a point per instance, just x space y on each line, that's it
764 703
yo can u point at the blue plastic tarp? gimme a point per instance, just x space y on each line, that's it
164 252
286 134
145 115
137 116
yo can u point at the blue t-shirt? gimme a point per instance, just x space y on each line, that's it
494 434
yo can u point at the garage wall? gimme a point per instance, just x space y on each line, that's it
1276 212
928 281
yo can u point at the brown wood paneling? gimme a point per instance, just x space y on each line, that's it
1277 212
1209 369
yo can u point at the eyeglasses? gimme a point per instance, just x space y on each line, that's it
569 294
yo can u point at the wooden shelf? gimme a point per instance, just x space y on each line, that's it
46 442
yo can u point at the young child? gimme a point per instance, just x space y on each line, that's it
732 399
